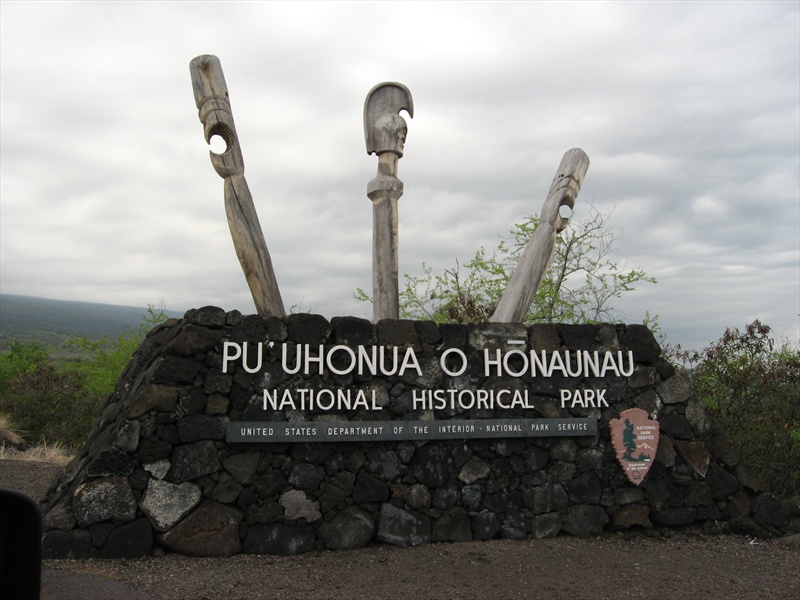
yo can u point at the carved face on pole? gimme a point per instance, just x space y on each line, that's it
384 129
391 134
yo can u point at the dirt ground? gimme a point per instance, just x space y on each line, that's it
655 564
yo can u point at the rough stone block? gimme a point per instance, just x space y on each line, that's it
675 424
723 484
211 530
165 503
699 494
769 512
547 525
207 316
585 489
623 496
242 466
174 369
649 402
640 340
564 449
297 505
696 455
402 528
514 526
674 390
270 483
452 526
577 337
415 496
192 340
585 520
352 331
306 476
279 539
384 465
132 540
748 478
473 470
722 451
351 528
453 335
698 418
305 328
495 336
428 332
104 499
632 515
194 460
202 427
432 465
75 544
152 397
126 438
158 469
546 498
485 525
675 517
111 462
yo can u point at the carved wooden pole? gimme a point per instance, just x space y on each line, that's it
385 132
518 296
211 97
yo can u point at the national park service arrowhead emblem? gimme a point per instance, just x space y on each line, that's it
634 437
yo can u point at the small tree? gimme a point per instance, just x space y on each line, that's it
108 358
629 439
579 286
21 358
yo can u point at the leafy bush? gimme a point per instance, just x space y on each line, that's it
108 358
751 385
580 285
22 357
50 404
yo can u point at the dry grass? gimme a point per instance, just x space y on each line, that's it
55 453
49 453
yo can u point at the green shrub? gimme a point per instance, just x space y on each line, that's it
58 404
751 385
108 358
52 405
21 358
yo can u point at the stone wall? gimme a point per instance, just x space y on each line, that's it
156 472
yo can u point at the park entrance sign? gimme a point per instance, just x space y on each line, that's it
382 361
474 432
282 434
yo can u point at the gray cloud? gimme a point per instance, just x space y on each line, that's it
689 113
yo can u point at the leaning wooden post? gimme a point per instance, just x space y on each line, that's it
518 296
385 132
211 97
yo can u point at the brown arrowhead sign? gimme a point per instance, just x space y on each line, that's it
634 437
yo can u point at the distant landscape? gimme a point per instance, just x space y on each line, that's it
52 322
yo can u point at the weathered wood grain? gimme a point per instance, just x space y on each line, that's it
211 97
529 272
385 135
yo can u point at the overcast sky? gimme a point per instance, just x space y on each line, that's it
689 112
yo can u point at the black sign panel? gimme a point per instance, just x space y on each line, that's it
395 431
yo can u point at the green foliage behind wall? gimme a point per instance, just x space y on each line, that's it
751 385
57 403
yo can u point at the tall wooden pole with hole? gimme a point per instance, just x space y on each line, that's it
211 97
518 295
